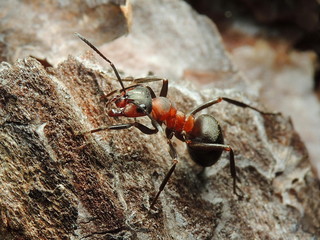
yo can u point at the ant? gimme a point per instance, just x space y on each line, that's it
202 134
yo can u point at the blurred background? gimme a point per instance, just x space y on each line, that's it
277 45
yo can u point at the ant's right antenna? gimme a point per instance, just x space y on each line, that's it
111 64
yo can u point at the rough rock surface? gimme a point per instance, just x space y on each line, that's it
56 183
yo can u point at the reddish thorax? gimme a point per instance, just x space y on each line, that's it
164 111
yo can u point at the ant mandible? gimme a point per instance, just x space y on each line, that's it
202 134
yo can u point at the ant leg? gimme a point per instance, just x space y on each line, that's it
163 92
164 89
229 100
174 156
164 183
244 105
146 80
153 95
218 147
105 96
141 127
157 125
205 105
146 130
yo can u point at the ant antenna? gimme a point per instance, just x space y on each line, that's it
101 55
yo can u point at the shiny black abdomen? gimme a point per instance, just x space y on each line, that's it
206 130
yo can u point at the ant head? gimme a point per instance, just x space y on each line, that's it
135 102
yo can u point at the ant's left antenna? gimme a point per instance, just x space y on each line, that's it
101 55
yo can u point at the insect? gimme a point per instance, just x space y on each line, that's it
202 133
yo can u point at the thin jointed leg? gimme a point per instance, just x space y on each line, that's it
164 183
164 88
228 100
146 130
219 147
139 126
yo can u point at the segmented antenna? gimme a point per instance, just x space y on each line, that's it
101 55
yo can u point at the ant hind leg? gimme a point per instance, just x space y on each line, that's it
219 147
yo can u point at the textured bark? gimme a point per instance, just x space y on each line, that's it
56 183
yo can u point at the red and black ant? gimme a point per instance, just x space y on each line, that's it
202 134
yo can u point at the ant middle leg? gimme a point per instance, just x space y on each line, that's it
164 182
174 156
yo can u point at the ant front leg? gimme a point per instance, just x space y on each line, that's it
144 129
209 147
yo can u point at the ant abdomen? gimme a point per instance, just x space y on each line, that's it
206 130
